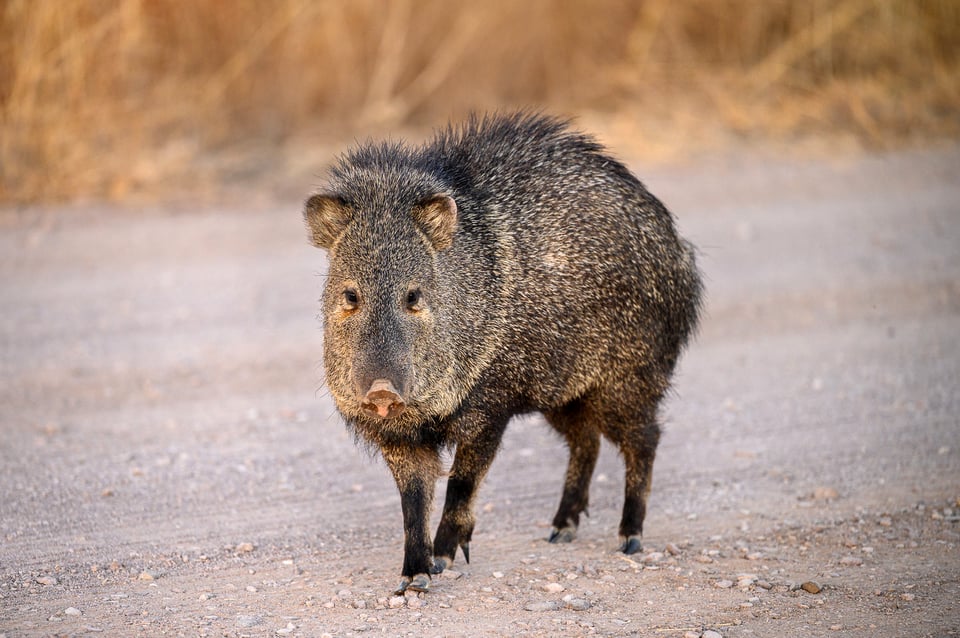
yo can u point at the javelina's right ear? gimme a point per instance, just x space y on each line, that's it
327 216
437 217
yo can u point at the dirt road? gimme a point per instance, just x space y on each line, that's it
170 465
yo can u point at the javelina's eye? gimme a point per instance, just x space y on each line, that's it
350 298
413 300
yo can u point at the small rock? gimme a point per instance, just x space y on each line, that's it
907 597
396 602
745 580
723 584
691 634
811 587
249 621
711 634
552 588
148 575
578 604
851 561
672 549
360 604
244 548
415 602
653 557
836 627
452 574
498 574
824 493
547 605
251 589
72 611
47 580
764 584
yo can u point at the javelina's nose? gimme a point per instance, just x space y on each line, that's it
383 399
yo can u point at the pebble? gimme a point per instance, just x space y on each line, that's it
415 602
251 589
244 548
498 574
360 604
287 630
148 575
745 580
764 584
547 605
72 611
396 602
552 588
691 634
249 621
811 587
723 584
578 604
711 634
672 549
452 574
907 597
851 561
47 580
653 557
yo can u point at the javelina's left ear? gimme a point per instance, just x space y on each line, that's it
327 216
437 217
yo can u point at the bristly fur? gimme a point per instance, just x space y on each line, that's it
548 279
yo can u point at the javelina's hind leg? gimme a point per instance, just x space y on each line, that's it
637 436
415 469
470 465
583 440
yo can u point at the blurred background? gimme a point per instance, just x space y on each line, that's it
119 99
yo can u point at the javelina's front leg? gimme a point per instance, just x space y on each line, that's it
470 465
415 469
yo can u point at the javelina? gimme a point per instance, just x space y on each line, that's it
508 266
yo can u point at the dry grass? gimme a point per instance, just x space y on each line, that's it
105 98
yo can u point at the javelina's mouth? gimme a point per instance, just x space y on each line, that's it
383 400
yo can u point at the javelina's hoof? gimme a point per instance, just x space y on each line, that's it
420 582
440 563
631 545
563 535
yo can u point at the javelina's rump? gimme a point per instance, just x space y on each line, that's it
508 266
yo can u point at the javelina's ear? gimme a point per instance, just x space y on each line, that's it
327 216
437 217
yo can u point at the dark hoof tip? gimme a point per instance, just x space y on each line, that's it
402 587
439 564
465 548
565 535
631 546
420 582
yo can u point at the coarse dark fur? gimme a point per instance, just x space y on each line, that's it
507 266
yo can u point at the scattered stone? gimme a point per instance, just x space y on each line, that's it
764 584
206 596
824 493
745 580
653 557
249 621
836 627
691 634
452 574
703 558
91 628
547 605
711 634
72 611
148 575
48 580
851 561
552 588
415 602
811 587
885 521
723 584
498 574
907 597
672 549
287 630
578 604
360 604
396 602
251 589
244 548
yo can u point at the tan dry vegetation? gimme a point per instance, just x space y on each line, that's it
107 98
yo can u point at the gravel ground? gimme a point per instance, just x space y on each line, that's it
171 465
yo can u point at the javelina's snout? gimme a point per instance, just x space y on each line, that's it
383 399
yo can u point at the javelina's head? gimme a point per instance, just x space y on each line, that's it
384 308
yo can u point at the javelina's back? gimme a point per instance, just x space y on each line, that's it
510 265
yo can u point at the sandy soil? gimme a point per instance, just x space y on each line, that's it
170 465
